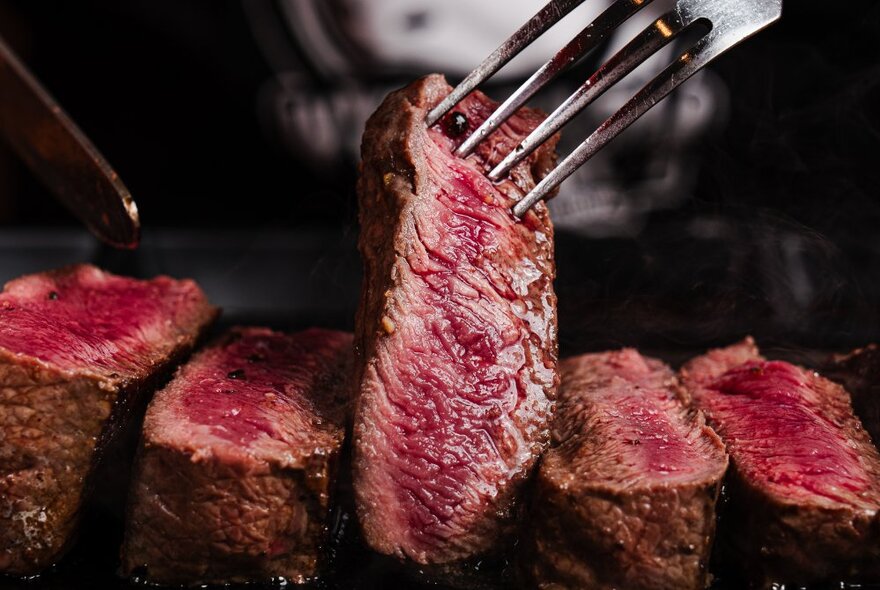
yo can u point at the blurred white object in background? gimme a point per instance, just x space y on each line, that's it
336 59
451 36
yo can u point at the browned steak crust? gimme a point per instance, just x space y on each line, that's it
456 331
626 496
238 460
804 483
81 351
859 373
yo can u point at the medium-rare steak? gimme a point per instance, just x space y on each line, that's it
456 331
79 351
804 482
238 456
626 496
859 373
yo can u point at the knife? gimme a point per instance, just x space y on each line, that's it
60 154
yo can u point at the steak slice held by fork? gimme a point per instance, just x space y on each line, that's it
626 496
805 479
80 350
456 330
237 460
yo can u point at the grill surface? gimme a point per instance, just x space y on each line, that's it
290 280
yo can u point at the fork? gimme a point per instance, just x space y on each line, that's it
724 23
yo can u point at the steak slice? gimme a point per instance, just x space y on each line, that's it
80 349
805 479
626 496
859 373
238 456
456 330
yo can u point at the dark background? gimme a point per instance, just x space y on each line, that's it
167 90
779 237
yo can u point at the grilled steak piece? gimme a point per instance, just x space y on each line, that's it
80 349
238 456
805 480
456 330
626 496
859 373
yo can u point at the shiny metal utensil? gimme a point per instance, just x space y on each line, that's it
61 156
725 23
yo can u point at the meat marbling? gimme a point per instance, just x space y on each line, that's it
456 331
805 480
626 496
238 459
80 349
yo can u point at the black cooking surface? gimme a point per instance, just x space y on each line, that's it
93 564
239 270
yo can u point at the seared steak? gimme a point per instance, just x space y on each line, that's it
805 480
238 455
626 496
456 330
859 373
79 351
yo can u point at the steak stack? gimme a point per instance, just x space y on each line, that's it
626 496
238 457
805 479
80 349
456 331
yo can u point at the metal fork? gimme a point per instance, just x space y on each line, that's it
728 22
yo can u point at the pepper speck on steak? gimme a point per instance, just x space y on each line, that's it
626 496
456 331
80 349
238 457
804 483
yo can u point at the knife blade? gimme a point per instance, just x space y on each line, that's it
61 155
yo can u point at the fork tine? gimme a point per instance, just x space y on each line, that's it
584 42
649 41
548 16
704 51
731 23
